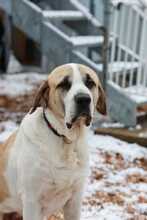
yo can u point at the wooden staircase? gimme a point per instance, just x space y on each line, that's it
65 32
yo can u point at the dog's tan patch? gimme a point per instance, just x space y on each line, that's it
100 95
58 74
55 95
84 70
4 149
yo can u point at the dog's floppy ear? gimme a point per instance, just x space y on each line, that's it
42 96
101 103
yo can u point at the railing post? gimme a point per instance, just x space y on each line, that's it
106 30
92 7
92 11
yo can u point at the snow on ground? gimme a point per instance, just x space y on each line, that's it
6 129
19 84
117 185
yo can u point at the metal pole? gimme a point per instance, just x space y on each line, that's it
92 11
106 33
92 7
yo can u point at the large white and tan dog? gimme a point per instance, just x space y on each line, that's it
44 164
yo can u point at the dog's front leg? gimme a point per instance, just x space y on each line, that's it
32 210
72 209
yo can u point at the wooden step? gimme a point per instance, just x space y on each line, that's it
116 67
63 15
86 41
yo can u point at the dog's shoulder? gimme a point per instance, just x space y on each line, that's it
4 152
32 126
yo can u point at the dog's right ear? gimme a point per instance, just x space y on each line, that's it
42 97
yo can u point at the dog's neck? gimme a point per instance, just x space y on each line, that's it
59 125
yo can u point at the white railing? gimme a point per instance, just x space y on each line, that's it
129 46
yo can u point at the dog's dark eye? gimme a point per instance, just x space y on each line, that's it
65 84
89 82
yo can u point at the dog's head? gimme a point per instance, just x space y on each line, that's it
72 92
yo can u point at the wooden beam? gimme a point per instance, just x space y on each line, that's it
134 136
142 108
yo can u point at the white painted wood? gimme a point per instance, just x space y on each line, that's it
141 50
114 43
135 42
79 41
65 15
121 38
132 46
128 37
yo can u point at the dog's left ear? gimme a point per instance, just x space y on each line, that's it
42 97
101 103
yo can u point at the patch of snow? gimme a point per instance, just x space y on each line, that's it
118 177
19 84
112 212
14 65
112 125
113 192
137 127
137 93
143 134
6 129
89 40
138 187
62 14
106 212
114 145
142 208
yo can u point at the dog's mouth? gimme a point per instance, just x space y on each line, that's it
85 116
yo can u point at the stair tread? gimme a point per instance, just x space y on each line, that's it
63 14
114 67
121 65
86 40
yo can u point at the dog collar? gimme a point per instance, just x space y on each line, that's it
66 140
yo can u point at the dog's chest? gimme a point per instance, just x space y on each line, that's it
63 174
59 190
63 177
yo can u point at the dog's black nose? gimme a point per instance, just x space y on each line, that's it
82 99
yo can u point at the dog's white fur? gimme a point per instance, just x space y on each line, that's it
43 172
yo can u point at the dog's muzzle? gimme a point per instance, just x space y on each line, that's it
82 103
